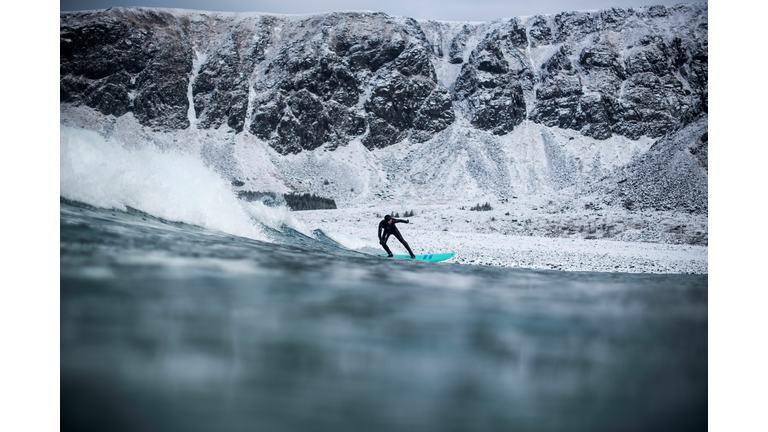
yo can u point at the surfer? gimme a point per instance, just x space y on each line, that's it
386 228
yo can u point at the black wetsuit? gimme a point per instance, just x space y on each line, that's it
386 229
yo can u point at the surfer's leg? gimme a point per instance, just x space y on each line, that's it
400 237
384 239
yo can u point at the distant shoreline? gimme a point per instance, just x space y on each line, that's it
478 241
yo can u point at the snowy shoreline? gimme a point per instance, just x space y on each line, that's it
511 237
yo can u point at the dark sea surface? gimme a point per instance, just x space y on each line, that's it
172 327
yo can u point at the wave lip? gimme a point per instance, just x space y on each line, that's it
168 184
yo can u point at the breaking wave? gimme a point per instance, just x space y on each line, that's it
168 184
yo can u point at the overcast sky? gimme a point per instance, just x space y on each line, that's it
444 10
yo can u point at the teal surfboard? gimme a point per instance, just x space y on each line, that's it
429 257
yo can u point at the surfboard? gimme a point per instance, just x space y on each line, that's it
429 257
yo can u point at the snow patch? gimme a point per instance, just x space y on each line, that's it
197 63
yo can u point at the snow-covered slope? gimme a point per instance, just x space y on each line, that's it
365 107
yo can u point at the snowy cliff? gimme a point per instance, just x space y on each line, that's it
365 106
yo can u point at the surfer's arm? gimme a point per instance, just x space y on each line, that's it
399 221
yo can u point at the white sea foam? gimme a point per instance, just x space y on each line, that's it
275 217
352 242
168 184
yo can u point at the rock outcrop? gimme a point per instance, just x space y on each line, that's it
302 82
124 61
294 82
628 72
493 80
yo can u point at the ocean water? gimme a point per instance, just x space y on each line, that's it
168 326
185 309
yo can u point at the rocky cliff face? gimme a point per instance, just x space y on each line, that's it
122 61
409 109
629 72
299 82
